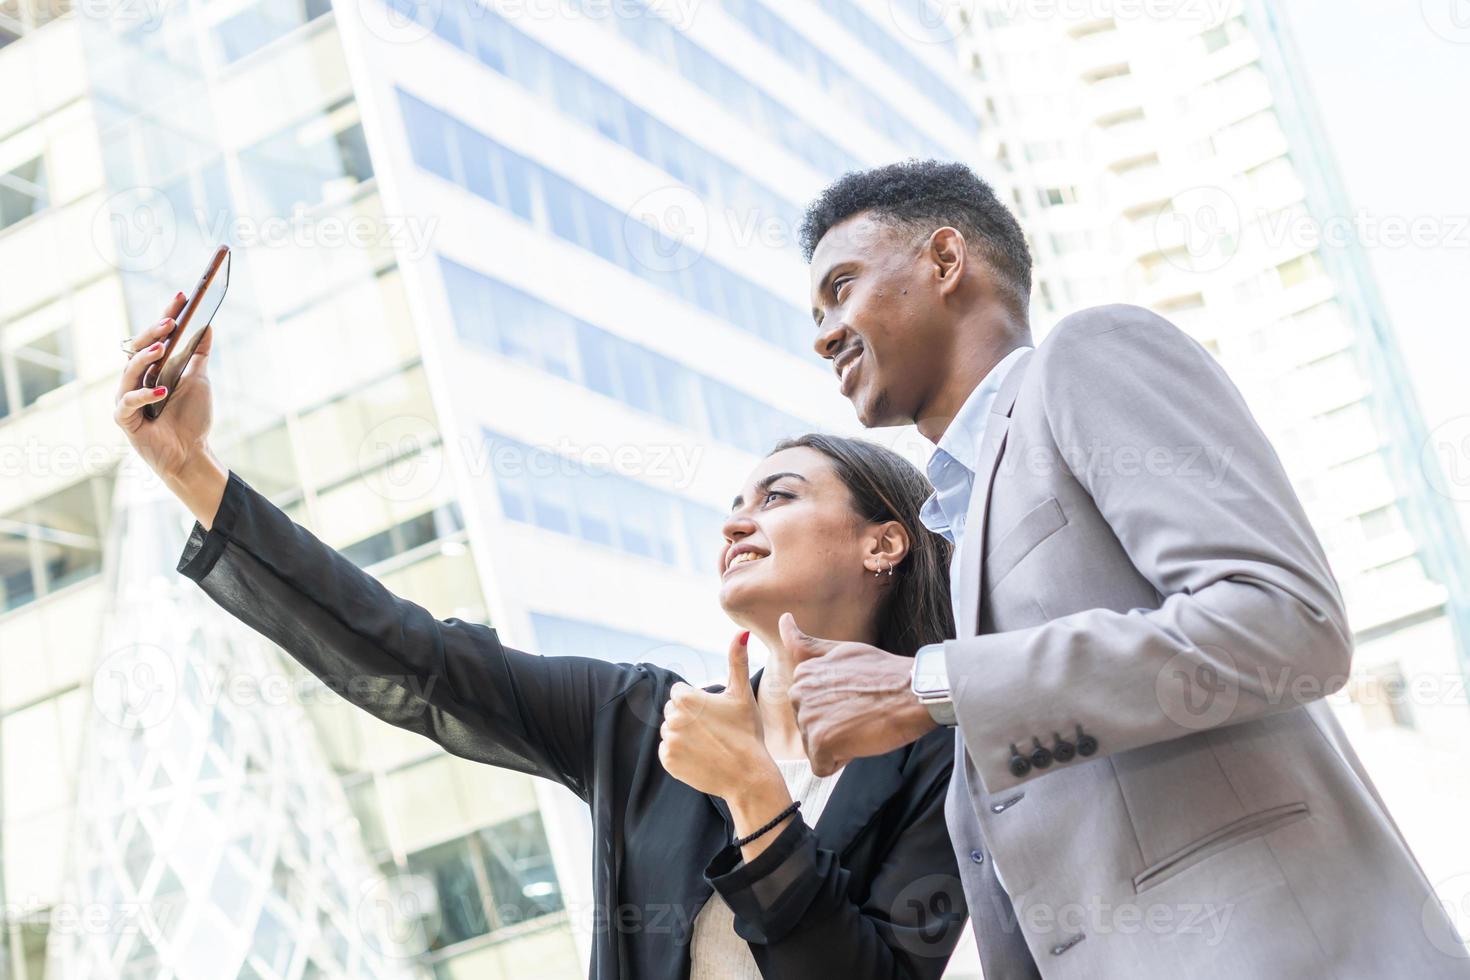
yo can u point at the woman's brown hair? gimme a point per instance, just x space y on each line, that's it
886 487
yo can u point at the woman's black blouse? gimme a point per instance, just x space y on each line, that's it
871 891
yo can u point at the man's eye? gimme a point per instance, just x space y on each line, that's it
837 286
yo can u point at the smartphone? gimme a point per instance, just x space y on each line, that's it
179 345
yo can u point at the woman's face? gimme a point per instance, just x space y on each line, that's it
794 544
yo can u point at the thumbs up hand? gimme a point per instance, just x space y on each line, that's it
712 740
851 699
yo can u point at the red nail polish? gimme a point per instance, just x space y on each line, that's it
745 638
160 390
156 346
178 296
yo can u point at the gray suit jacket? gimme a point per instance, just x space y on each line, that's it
1147 628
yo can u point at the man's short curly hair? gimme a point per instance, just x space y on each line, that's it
923 195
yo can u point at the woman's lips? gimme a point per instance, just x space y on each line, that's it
742 564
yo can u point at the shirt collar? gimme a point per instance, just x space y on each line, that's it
961 440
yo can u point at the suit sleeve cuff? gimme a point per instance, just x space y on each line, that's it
204 547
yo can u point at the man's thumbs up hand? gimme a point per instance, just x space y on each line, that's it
851 699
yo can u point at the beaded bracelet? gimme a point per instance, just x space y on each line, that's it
779 817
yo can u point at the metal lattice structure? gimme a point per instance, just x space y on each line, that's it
211 839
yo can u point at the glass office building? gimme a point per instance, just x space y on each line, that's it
514 306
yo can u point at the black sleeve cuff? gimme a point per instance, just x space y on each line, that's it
769 895
203 548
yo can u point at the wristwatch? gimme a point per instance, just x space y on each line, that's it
930 683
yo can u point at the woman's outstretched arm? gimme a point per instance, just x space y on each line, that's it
449 680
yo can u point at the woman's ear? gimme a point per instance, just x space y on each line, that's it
887 545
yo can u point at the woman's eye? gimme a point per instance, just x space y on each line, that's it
774 493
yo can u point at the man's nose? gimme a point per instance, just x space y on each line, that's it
830 339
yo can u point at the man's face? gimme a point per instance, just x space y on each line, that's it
877 307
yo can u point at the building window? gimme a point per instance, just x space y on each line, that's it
22 192
258 25
496 877
304 166
499 317
571 497
52 542
32 367
442 522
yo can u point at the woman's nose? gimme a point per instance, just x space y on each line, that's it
736 527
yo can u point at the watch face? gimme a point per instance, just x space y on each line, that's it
930 675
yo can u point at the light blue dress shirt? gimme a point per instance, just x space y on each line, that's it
951 471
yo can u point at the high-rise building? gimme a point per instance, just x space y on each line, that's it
1169 155
515 303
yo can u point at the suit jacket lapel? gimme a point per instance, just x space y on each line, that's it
972 547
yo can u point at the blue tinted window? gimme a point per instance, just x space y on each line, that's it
572 213
508 321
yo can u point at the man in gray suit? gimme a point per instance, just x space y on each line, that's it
1148 781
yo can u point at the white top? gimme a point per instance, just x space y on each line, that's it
715 951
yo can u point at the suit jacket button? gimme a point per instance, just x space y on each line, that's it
977 857
1061 749
1086 744
1019 765
1041 755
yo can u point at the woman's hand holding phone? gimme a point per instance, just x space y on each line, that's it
176 444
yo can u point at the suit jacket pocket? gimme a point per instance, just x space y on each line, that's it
1237 831
1040 523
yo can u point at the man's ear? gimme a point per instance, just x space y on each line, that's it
947 252
888 544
